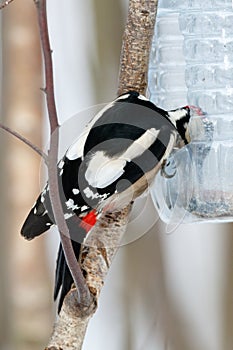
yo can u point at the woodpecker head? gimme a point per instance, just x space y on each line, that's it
180 118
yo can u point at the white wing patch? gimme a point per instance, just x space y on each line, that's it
103 170
76 149
141 144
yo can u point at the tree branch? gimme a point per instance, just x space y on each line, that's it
83 294
5 4
103 241
26 141
136 45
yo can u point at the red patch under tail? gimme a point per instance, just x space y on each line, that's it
89 220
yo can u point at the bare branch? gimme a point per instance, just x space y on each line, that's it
48 64
136 45
26 141
82 289
5 4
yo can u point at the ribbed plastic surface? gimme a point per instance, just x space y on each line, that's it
192 63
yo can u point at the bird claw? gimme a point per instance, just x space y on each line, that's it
163 171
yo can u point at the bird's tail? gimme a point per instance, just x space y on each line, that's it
63 278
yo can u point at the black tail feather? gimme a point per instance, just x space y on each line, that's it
67 282
63 278
60 263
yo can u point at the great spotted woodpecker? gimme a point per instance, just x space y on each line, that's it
113 161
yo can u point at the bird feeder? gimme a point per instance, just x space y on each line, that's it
192 63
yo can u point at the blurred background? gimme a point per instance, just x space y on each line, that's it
163 291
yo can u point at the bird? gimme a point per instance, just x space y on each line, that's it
112 162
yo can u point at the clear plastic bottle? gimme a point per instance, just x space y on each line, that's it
202 188
167 62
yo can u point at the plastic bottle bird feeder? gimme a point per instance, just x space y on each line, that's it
200 185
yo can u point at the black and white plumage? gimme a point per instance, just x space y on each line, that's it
113 161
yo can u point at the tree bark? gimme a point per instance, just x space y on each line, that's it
136 45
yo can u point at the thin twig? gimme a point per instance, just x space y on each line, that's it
5 4
26 141
84 297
